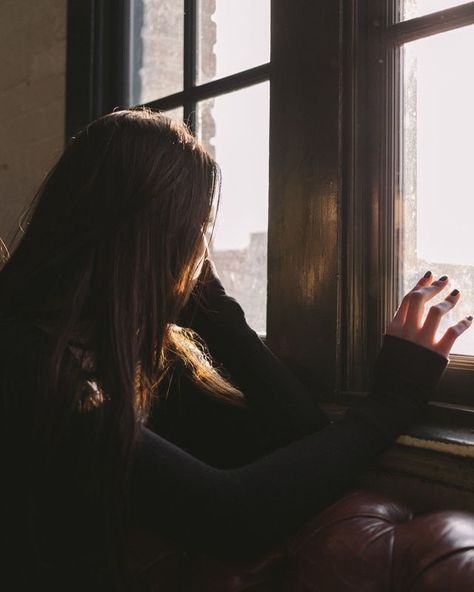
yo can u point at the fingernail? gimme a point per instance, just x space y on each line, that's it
443 278
427 274
454 293
469 318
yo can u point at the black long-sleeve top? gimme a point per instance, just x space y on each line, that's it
227 480
262 472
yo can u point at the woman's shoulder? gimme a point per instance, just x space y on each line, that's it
23 338
22 347
23 352
26 350
18 332
15 327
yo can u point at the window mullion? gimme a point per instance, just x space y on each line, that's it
190 52
384 162
304 212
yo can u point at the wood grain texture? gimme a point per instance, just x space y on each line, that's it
304 211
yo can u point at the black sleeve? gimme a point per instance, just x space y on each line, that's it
282 407
244 511
210 428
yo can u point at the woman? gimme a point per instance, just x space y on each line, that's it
134 393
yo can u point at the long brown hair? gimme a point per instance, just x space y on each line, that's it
110 242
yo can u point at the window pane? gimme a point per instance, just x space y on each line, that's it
232 36
234 128
413 8
177 113
156 49
438 172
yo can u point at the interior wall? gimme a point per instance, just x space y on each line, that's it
32 100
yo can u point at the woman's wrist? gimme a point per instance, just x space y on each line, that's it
400 359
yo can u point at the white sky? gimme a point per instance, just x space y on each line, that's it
242 123
421 7
444 67
445 146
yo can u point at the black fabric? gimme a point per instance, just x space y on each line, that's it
212 476
253 486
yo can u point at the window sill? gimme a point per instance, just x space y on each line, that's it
445 428
465 450
437 450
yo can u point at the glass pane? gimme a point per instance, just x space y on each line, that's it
412 8
232 36
438 172
156 49
177 113
235 129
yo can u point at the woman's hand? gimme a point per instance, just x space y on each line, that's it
407 323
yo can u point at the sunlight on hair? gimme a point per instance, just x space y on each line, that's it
188 346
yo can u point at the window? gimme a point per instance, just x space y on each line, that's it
338 116
415 161
206 61
437 189
401 181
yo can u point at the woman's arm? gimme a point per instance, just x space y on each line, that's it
244 511
212 429
281 406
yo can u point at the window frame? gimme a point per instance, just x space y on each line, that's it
332 269
372 179
192 92
96 57
294 306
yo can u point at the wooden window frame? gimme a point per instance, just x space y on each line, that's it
332 270
96 58
373 107
298 178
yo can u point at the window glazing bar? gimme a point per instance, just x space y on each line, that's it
190 51
430 24
193 95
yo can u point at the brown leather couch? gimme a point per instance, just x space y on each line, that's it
365 542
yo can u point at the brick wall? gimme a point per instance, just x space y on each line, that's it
32 93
